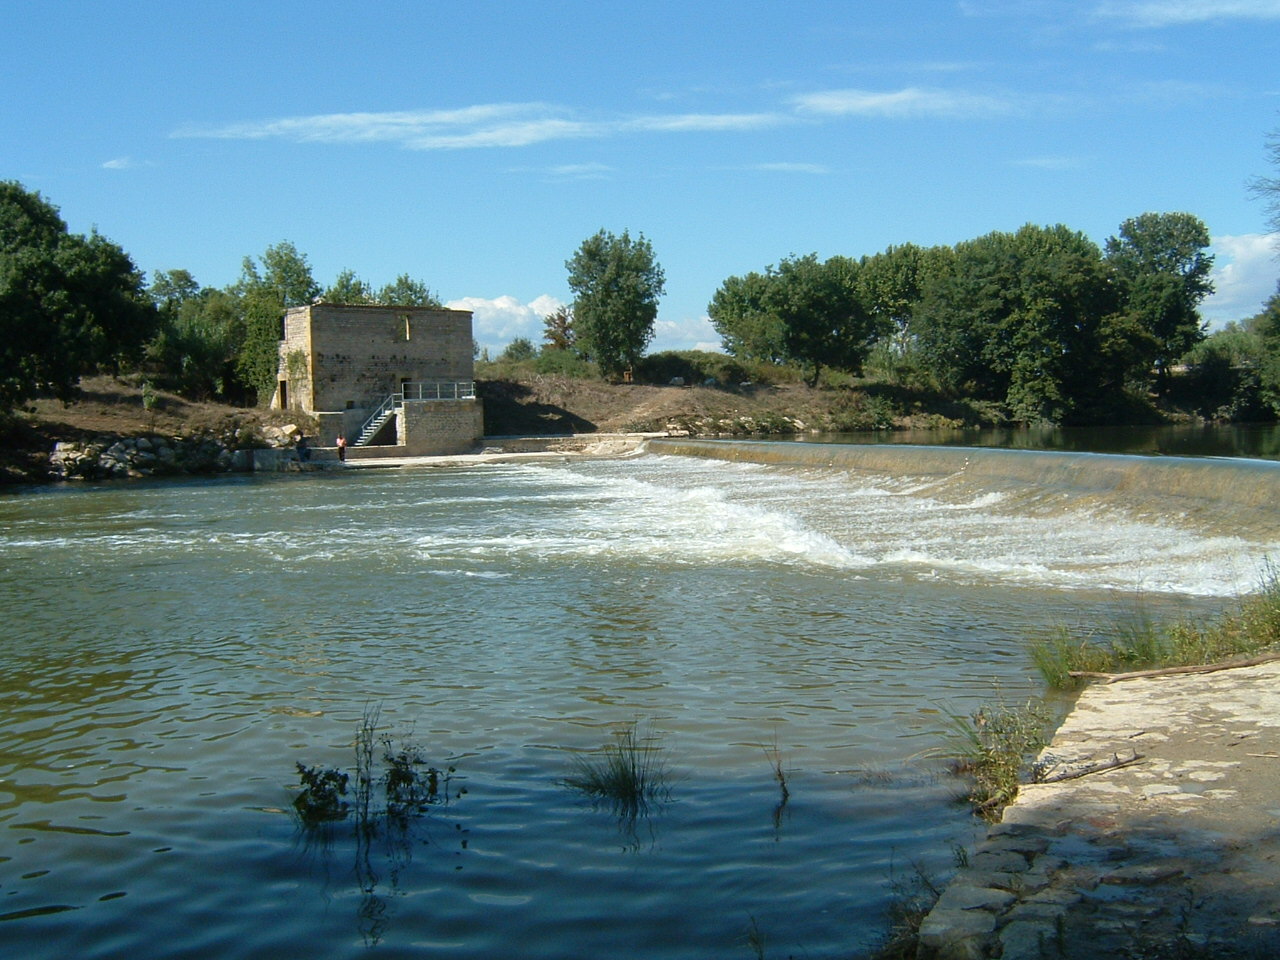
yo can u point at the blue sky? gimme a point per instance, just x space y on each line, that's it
475 145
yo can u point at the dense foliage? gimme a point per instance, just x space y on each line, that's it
224 343
1040 321
616 283
68 303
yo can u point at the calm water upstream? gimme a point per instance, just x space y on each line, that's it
172 650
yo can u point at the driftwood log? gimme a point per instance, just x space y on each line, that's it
1171 671
1114 763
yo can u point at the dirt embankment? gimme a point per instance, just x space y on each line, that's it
557 405
114 407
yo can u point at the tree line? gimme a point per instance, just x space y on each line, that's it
71 305
1040 320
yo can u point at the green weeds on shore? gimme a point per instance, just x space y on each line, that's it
1252 628
994 747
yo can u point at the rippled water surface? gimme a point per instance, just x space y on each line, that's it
172 650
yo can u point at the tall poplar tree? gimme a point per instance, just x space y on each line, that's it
616 284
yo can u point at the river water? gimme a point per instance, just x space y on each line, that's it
173 649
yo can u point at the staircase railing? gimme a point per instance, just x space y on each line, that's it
413 390
379 419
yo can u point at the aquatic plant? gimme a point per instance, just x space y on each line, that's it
321 799
993 747
405 785
913 897
629 772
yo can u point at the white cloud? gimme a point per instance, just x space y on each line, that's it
479 126
122 163
702 122
581 171
1244 275
907 102
499 320
1164 13
690 333
1049 163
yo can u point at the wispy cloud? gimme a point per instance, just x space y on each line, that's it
1166 13
483 125
581 171
123 163
702 122
908 102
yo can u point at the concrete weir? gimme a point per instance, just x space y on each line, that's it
1216 494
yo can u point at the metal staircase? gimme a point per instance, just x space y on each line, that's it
389 408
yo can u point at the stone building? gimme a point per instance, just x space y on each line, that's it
396 381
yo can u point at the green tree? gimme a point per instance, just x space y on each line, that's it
348 288
199 328
748 326
1162 270
823 321
1266 327
404 291
891 284
1025 318
557 330
169 289
68 303
616 283
518 350
282 279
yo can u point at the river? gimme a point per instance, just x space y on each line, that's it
174 649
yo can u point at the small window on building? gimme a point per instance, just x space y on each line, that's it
406 326
351 404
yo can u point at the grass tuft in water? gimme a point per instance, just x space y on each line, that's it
1252 628
630 773
994 746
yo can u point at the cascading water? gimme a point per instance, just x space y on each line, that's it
173 649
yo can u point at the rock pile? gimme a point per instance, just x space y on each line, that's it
106 458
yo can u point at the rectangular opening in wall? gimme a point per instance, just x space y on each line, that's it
284 394
406 326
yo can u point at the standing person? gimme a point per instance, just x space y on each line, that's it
342 447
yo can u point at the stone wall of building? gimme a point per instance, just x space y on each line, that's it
338 357
432 427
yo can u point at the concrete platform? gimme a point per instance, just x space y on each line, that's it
1175 855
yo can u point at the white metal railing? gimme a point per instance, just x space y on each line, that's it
439 390
414 390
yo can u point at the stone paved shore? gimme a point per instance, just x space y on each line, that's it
1175 855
